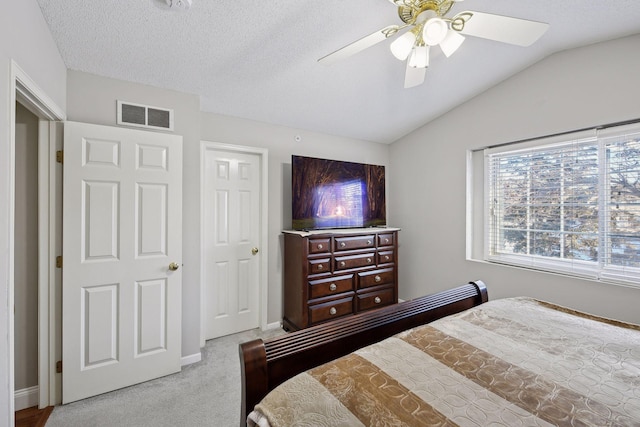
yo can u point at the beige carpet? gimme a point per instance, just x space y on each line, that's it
206 393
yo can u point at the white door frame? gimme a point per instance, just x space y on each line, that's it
28 93
264 223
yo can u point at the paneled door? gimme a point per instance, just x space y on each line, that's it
122 250
232 259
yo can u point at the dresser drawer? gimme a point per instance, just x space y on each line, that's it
330 310
385 239
318 246
331 286
355 242
375 278
375 299
385 257
355 261
320 265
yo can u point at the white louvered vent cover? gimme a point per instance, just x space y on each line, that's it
144 116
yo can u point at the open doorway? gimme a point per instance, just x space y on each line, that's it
25 260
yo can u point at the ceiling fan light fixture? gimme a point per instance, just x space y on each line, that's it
435 30
419 57
429 25
401 47
451 42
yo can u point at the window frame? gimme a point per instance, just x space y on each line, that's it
599 270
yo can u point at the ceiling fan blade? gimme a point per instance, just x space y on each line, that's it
362 44
504 29
414 76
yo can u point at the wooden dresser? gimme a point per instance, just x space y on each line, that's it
329 274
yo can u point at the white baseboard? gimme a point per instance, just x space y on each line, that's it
192 358
274 325
27 397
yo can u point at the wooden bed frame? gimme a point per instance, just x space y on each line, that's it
266 364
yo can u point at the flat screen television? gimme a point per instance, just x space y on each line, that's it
336 194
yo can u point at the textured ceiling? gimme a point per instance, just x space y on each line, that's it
258 59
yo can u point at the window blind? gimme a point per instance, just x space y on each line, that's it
571 204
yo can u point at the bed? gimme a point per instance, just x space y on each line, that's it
450 358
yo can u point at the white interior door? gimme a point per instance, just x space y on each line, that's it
232 259
122 222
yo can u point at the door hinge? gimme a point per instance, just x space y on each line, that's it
58 262
60 156
59 367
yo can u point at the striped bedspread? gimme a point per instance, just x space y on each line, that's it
510 362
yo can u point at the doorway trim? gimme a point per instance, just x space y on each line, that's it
263 153
23 89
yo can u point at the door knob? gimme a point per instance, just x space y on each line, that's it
174 266
254 251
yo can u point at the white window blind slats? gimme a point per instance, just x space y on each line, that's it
623 191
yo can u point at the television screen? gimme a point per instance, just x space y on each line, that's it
336 194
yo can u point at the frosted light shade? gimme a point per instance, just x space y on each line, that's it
434 31
401 47
451 42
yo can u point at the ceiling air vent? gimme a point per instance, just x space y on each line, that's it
144 116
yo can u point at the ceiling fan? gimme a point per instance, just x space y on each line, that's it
429 26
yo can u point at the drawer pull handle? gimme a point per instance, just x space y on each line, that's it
333 311
378 279
369 242
368 260
386 257
343 264
377 300
333 287
320 246
343 244
320 266
386 240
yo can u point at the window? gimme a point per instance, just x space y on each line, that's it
569 205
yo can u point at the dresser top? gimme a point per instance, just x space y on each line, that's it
345 231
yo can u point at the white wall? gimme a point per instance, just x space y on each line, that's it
570 90
92 99
281 143
25 38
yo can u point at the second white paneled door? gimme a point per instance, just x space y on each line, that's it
122 252
232 235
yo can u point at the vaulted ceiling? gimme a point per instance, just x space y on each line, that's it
258 59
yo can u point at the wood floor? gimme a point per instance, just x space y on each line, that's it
33 417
